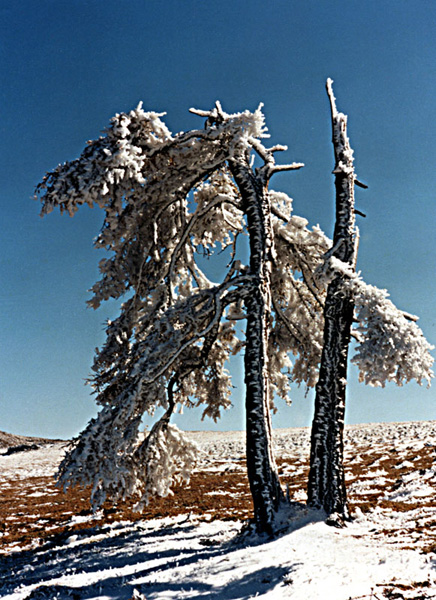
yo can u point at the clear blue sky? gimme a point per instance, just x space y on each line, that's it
67 66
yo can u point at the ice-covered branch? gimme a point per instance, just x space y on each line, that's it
270 167
200 212
391 346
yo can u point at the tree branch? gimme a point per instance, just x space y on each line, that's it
199 212
289 326
215 296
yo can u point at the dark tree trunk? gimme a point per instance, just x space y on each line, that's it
326 487
261 468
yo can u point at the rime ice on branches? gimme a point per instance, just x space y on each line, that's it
169 200
390 346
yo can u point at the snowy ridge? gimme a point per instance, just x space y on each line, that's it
388 551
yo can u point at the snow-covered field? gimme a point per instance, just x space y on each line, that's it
388 551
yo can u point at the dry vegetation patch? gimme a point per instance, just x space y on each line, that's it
34 512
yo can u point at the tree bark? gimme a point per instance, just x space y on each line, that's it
261 467
326 486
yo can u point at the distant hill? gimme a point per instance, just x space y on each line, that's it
8 440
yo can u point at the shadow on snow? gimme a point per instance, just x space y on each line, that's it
40 574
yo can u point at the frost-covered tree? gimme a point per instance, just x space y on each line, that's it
391 347
168 200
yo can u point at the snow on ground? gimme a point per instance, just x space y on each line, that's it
179 558
40 463
379 555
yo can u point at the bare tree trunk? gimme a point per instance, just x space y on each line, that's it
326 487
261 468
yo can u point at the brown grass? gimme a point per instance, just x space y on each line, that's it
25 518
35 512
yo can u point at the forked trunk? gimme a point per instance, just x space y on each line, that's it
326 487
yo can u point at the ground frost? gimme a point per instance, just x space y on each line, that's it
59 550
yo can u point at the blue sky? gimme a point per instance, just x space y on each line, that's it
67 66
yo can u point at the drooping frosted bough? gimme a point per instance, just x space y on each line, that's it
168 200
